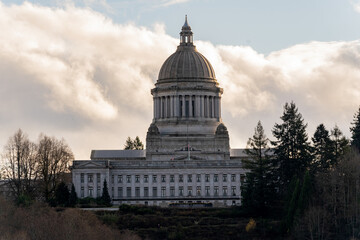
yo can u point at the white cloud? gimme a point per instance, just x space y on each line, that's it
73 73
166 3
356 5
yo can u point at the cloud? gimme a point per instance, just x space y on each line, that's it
356 5
167 3
73 73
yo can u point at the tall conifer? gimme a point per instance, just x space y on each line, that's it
292 150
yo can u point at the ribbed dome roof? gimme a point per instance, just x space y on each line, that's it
186 63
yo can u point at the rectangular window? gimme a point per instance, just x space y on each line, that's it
90 191
224 177
163 178
233 190
163 191
198 191
180 109
242 178
112 178
98 177
90 178
233 177
146 191
98 191
128 191
216 191
189 190
82 191
216 178
224 191
128 178
172 191
198 178
207 190
154 178
171 178
189 178
155 192
82 178
137 192
146 178
120 192
112 192
181 191
207 177
137 178
181 178
120 178
187 108
193 107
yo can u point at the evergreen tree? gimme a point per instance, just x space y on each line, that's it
340 142
135 144
258 189
323 149
291 207
105 195
292 150
73 197
62 195
138 145
129 144
355 131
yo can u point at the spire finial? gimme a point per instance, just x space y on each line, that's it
186 24
186 34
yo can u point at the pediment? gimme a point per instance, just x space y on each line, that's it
91 164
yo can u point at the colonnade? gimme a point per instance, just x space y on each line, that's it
187 106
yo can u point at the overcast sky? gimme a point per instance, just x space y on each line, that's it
83 70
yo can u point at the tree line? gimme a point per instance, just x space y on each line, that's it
34 170
312 186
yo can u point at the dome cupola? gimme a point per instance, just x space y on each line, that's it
186 64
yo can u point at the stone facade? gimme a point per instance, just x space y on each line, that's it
187 158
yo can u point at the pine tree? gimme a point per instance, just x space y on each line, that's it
105 195
73 197
62 194
138 145
258 190
323 149
292 150
340 142
355 131
129 144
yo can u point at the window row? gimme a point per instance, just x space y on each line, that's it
172 178
180 191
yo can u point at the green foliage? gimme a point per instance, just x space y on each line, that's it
105 195
73 197
24 200
258 190
292 150
355 131
324 149
290 211
341 144
62 195
135 144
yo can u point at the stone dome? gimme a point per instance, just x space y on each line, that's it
187 63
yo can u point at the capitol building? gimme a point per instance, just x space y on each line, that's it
187 159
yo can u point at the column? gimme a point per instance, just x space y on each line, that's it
197 106
154 107
171 106
219 107
213 107
176 106
183 105
202 106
